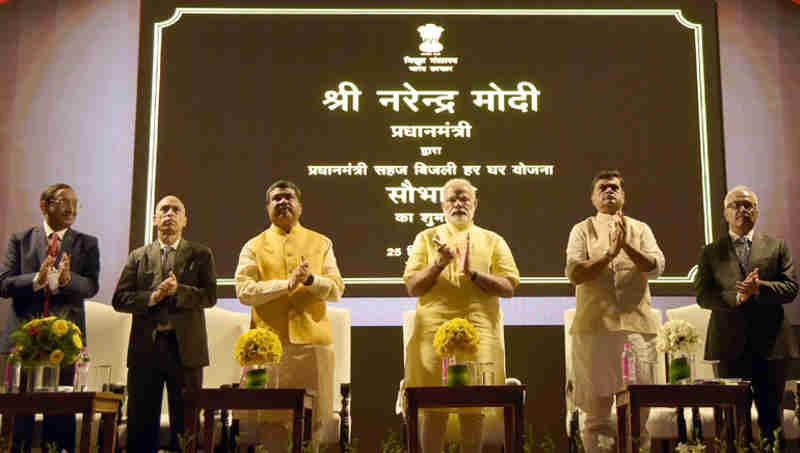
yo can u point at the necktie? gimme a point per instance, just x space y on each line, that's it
166 262
52 250
166 268
743 251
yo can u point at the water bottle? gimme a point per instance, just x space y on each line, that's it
628 365
81 380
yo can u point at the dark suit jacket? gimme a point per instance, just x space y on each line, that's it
24 256
760 321
197 290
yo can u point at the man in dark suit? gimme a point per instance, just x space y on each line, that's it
166 286
51 265
745 278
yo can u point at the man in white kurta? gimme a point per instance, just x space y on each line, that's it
286 274
610 258
458 270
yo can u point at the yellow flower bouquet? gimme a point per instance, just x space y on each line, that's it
254 350
456 337
52 341
453 341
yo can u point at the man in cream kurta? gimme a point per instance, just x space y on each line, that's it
610 258
458 270
286 274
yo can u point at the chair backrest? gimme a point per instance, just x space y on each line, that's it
107 336
223 328
698 317
408 330
340 325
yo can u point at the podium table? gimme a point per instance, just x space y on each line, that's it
299 401
65 403
734 400
510 397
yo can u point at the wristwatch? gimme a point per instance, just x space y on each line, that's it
310 280
473 275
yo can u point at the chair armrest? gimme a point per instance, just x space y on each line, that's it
574 441
792 386
344 414
399 405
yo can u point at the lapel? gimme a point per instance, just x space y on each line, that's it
39 240
66 245
154 258
181 257
757 252
732 258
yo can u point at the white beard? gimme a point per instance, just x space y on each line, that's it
460 220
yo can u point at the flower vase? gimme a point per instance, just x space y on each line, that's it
42 378
457 372
260 376
681 368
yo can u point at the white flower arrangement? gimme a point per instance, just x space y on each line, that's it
690 448
606 443
677 336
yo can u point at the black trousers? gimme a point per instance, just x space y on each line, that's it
145 390
56 429
768 378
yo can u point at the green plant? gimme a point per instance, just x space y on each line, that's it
527 439
546 445
352 447
392 443
183 442
308 446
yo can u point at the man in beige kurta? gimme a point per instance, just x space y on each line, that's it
610 258
286 274
458 270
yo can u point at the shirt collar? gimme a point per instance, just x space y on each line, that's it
605 219
48 231
454 229
749 235
278 230
174 245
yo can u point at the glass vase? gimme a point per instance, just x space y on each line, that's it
457 372
9 374
42 378
260 376
681 368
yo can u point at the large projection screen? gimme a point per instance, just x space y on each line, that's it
370 111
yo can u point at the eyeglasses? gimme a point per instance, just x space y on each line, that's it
62 203
745 205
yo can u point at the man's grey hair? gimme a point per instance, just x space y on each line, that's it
739 189
463 181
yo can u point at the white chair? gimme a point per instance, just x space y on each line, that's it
226 370
107 334
112 331
661 424
699 317
494 429
333 429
